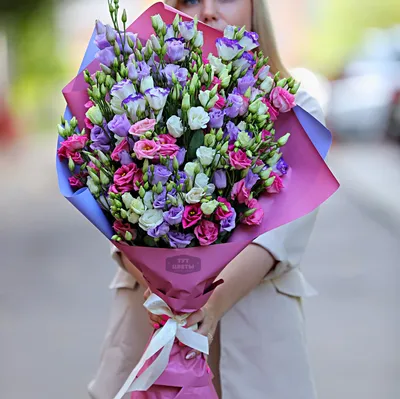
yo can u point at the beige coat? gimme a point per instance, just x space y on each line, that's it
262 351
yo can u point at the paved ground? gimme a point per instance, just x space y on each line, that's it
54 305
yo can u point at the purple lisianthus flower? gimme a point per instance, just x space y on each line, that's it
119 125
106 56
187 30
160 199
251 179
157 97
228 49
101 40
219 179
134 103
229 223
101 140
180 73
174 215
216 118
281 168
249 41
143 70
180 156
232 130
125 158
175 49
246 61
182 177
179 240
159 231
170 32
132 72
247 81
161 174
235 103
127 48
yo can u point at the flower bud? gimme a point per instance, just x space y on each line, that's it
267 84
157 22
269 182
175 23
93 175
104 178
128 236
93 187
95 116
226 82
283 140
142 192
111 35
209 140
254 106
186 102
265 174
124 214
61 131
295 88
224 148
71 164
146 186
282 82
250 212
124 17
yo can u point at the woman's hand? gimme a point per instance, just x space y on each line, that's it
155 321
207 319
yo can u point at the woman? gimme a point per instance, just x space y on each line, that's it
254 319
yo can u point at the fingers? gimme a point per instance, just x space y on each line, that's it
195 318
146 294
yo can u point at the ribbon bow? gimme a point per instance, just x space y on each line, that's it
164 339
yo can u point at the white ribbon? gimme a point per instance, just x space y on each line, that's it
163 340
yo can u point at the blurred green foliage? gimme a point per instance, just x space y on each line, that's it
339 26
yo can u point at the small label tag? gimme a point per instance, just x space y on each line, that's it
183 264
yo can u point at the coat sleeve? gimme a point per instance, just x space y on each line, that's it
287 243
122 278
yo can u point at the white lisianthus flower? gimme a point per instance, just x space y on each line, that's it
119 93
216 63
157 22
205 155
189 168
146 83
199 39
148 200
95 115
206 101
267 84
187 30
133 217
201 180
194 196
127 199
151 219
209 207
244 139
134 104
230 32
242 125
264 73
210 189
175 126
157 98
198 118
138 206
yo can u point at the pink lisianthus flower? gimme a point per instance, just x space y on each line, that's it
122 146
167 139
76 181
273 113
191 215
220 214
256 218
206 232
138 178
240 192
146 149
169 150
121 228
71 147
123 178
220 104
142 127
282 100
239 160
277 185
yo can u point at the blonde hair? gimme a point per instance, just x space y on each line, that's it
262 24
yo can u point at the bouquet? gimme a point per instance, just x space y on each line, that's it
188 148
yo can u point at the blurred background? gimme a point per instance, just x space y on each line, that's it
55 267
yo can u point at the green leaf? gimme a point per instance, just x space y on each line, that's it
149 241
196 142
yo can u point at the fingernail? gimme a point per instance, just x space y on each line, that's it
165 317
181 344
156 326
190 355
163 322
208 370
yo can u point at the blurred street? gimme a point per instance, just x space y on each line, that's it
55 270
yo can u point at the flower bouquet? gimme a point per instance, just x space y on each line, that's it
188 148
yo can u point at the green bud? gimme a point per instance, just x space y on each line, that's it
258 169
240 34
159 188
71 164
62 120
186 102
130 43
175 23
220 135
94 177
119 77
124 17
282 83
265 174
93 159
254 106
283 140
139 44
105 69
176 164
170 186
61 131
226 82
209 140
142 192
145 178
146 186
224 148
295 88
124 214
115 63
115 237
250 212
128 236
197 169
118 203
269 182
104 178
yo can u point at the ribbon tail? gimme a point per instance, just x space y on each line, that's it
162 338
193 339
151 375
